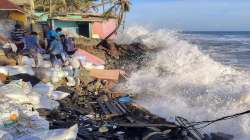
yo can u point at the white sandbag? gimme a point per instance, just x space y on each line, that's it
5 136
10 45
30 122
9 114
15 88
28 61
4 70
21 93
43 89
90 66
44 74
58 95
83 61
71 81
42 101
14 70
51 74
75 62
57 75
100 67
45 64
46 56
26 122
47 90
57 134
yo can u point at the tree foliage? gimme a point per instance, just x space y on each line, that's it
115 8
59 7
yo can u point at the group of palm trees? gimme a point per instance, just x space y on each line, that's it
60 7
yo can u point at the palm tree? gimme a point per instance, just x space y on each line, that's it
122 6
57 7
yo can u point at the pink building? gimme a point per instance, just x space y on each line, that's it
101 29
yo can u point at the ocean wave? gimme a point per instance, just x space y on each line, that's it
180 80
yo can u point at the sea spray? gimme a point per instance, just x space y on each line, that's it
180 80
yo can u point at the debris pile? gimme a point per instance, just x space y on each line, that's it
77 99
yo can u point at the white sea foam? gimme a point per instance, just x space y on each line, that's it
182 81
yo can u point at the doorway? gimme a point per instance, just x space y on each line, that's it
84 29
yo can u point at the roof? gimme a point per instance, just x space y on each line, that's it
6 5
26 3
22 2
76 18
79 17
67 18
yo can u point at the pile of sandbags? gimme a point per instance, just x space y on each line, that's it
19 118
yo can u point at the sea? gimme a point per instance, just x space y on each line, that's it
196 75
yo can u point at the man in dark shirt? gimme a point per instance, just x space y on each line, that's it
68 45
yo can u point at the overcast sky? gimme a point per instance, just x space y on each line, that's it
216 15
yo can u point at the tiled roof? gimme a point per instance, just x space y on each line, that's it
7 5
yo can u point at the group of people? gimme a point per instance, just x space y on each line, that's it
58 45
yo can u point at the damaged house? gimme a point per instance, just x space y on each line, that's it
87 25
10 13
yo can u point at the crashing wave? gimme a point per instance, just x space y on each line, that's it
180 80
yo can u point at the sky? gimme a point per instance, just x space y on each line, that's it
191 15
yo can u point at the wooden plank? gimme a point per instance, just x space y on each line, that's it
147 125
123 106
112 75
106 112
120 107
110 107
116 108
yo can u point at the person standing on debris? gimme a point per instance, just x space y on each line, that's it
51 33
56 50
58 32
18 39
68 45
32 45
